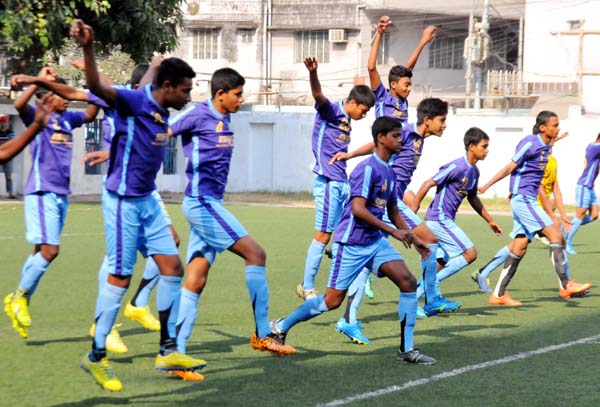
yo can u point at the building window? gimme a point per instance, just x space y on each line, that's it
446 53
170 158
311 44
205 43
93 142
384 49
245 35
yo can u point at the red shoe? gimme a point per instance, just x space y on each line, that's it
504 300
573 288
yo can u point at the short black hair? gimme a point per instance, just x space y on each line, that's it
362 95
542 118
397 72
430 108
138 73
383 125
474 136
174 70
225 79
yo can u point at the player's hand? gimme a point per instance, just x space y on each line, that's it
496 228
482 190
157 60
18 81
95 157
339 157
562 136
566 223
44 109
405 236
383 24
429 33
48 73
82 33
311 64
78 64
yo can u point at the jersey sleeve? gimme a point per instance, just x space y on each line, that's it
75 119
127 101
28 117
522 153
327 110
446 174
184 122
96 100
380 93
472 188
595 149
360 182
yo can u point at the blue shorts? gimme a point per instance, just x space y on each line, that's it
349 260
163 208
213 228
45 216
411 218
585 197
330 198
452 240
133 224
528 216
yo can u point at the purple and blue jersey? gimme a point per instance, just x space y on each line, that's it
531 157
137 150
207 141
390 106
52 152
592 160
331 135
454 181
406 161
374 180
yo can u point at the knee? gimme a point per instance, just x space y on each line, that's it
333 302
408 283
50 252
470 255
258 256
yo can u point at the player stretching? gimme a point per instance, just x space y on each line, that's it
526 170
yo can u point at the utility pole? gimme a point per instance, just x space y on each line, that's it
475 53
482 34
468 51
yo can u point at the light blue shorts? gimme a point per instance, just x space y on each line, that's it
411 218
349 260
452 240
45 216
330 198
213 228
585 197
133 224
528 216
163 207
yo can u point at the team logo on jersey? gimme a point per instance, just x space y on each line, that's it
384 187
462 190
345 125
219 128
62 138
157 117
55 125
380 203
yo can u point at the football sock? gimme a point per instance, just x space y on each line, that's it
452 267
498 259
429 267
575 225
407 312
188 312
167 303
557 256
308 310
586 219
102 281
567 268
508 272
34 268
106 313
356 291
313 262
149 281
258 289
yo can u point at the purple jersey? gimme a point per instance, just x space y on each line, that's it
208 145
372 179
52 152
137 150
387 105
108 121
590 172
331 135
405 162
454 181
531 158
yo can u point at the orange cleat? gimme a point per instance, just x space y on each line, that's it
187 375
505 299
271 343
573 288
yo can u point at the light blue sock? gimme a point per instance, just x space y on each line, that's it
308 310
429 267
167 302
256 281
313 262
420 289
586 219
106 313
149 281
188 311
34 268
357 289
498 260
407 312
102 281
575 225
452 267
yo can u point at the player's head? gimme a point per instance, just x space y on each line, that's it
59 105
400 79
360 99
598 138
477 143
387 131
137 74
174 79
432 113
546 123
227 89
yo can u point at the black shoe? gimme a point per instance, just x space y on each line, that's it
415 356
329 253
276 332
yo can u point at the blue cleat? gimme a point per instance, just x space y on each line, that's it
441 305
482 282
352 331
421 313
570 249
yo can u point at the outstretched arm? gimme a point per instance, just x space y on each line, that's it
360 151
61 89
315 86
480 209
510 167
149 75
374 77
428 35
420 195
21 103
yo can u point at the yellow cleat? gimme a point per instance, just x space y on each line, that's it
143 316
177 361
114 343
18 312
102 372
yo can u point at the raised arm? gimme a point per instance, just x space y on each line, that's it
510 167
420 195
315 86
61 89
428 35
149 75
22 102
79 64
477 205
374 77
360 151
84 35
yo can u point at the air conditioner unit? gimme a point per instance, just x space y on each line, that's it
338 35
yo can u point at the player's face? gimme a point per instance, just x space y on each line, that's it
402 87
393 140
480 151
233 99
437 125
357 112
60 104
179 96
551 128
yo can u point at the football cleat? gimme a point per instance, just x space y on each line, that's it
273 342
421 314
441 305
187 375
415 356
143 316
573 288
177 361
505 299
16 307
102 373
482 282
306 294
114 343
352 331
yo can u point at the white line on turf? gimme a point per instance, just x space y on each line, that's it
456 372
62 235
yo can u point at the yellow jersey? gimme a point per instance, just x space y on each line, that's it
550 177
